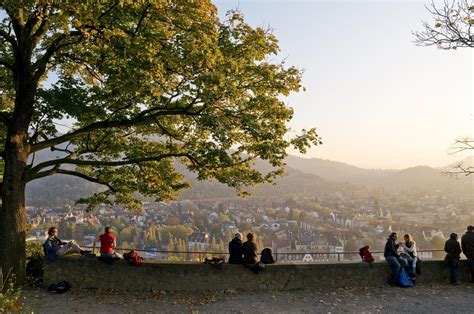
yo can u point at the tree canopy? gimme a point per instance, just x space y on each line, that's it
451 25
142 85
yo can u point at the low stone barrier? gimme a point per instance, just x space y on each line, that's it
90 273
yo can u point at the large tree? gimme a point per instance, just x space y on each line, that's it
141 86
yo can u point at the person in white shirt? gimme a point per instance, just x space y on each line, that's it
409 248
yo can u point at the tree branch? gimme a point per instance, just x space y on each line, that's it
67 160
71 173
10 39
43 61
111 124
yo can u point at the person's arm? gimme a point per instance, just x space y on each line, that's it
463 244
60 242
393 248
457 249
446 247
93 245
409 249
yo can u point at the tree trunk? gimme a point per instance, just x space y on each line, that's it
15 156
12 212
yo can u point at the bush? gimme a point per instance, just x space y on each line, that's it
9 297
35 263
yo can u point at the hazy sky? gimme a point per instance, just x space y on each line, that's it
377 99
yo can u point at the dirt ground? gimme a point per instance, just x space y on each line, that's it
419 299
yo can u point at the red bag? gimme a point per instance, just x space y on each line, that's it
366 255
133 258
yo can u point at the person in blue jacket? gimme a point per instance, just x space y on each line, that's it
54 247
393 258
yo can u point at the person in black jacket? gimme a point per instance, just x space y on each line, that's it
467 244
393 258
453 250
235 250
249 249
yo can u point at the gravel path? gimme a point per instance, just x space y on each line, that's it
420 299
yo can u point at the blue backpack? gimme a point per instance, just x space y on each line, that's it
403 280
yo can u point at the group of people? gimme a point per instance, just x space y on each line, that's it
408 257
54 247
453 253
246 252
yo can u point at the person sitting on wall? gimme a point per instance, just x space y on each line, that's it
467 244
235 250
54 247
108 243
249 249
393 258
409 248
453 250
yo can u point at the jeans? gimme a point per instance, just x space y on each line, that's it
454 270
395 265
70 247
113 255
412 267
470 263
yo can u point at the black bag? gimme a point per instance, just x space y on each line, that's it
59 287
216 262
266 256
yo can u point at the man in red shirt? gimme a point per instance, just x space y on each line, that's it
108 243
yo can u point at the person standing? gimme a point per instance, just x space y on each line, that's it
453 250
249 250
467 244
393 258
409 248
235 250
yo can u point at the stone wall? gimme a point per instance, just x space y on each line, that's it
90 273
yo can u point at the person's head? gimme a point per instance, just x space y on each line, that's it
393 236
453 236
238 236
53 231
108 230
470 228
250 236
408 238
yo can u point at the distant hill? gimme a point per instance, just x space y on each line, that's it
303 178
336 171
420 177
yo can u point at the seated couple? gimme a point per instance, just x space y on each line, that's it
246 253
398 261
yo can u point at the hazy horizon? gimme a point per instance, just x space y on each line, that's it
377 99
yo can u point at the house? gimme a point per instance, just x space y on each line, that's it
198 241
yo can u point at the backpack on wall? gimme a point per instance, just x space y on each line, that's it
366 255
266 256
133 258
217 262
